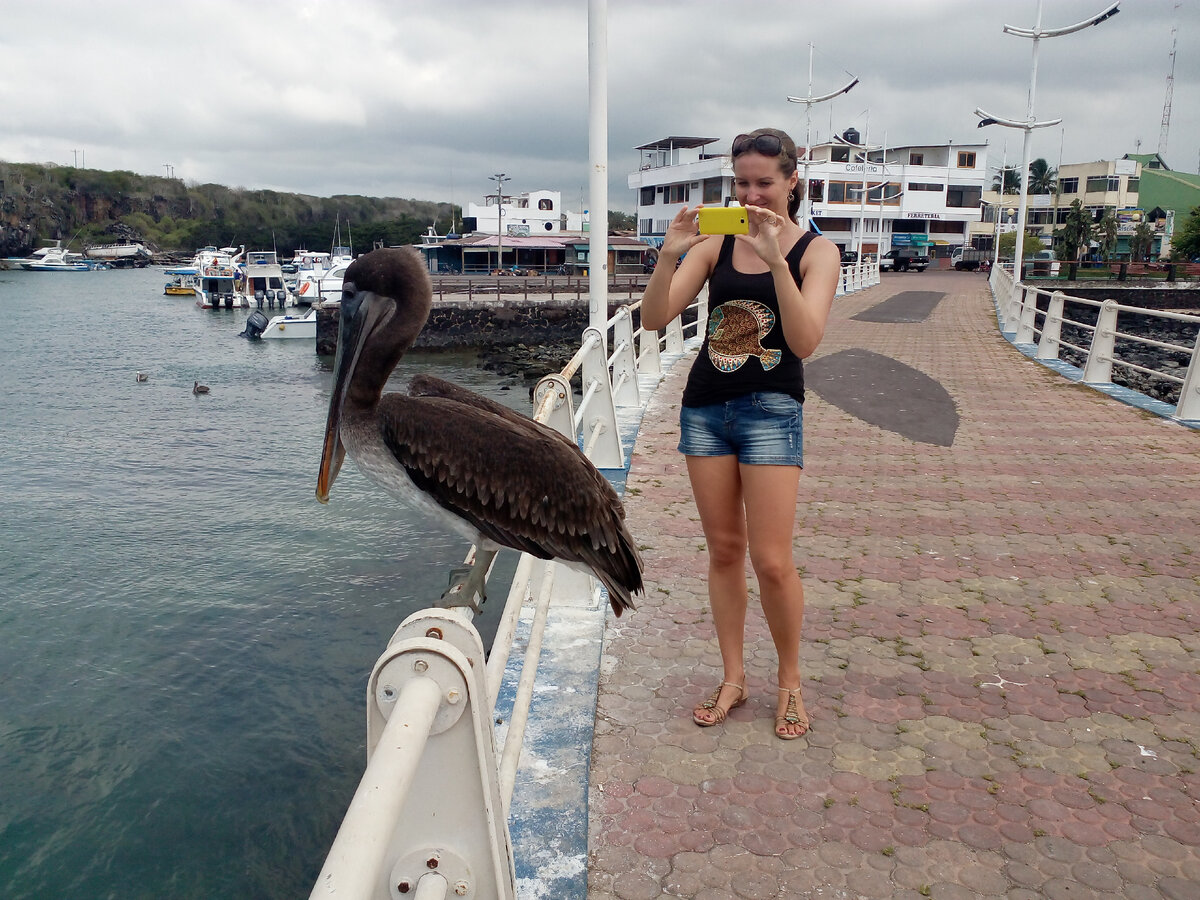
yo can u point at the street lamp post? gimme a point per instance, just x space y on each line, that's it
808 102
500 178
1036 34
863 150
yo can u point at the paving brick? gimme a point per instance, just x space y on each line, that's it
1001 654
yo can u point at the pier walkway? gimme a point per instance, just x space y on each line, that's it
1002 640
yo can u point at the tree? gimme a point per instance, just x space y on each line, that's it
1007 181
621 221
1042 178
1105 233
1141 241
1008 245
1185 243
1076 230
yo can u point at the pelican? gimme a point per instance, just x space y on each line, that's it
141 377
485 471
198 388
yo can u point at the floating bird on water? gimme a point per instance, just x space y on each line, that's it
484 470
198 388
141 377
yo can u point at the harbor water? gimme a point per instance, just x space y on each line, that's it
185 632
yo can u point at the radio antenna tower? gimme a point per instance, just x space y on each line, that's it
1166 116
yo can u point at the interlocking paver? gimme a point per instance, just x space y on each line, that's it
1001 654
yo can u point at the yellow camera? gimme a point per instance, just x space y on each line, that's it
723 220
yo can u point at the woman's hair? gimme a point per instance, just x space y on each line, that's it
773 143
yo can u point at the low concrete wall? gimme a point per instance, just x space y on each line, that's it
481 324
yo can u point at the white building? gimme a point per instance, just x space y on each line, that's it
526 215
922 195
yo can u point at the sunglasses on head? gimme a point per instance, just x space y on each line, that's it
766 144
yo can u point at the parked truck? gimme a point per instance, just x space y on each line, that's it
901 260
968 258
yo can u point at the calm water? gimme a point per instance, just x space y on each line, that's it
185 632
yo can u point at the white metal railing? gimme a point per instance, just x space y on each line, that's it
1021 319
430 815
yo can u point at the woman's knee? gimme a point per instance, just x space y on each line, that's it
774 570
727 550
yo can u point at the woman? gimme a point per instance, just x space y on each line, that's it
770 292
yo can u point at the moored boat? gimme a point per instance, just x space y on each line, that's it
183 282
56 259
292 327
125 253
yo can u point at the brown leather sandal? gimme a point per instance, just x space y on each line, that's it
719 712
791 716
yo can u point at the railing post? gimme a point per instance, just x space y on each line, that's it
674 336
430 796
626 391
1028 321
561 416
1048 344
649 358
1188 407
601 440
1098 368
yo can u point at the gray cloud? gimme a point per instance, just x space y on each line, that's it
419 100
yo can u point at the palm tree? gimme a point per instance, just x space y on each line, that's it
1007 181
1076 230
1106 233
1042 178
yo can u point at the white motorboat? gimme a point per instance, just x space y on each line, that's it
55 260
292 327
218 275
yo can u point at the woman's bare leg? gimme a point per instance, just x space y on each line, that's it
770 502
716 485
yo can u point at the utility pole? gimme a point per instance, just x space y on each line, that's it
500 178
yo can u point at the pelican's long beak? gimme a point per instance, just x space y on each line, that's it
360 316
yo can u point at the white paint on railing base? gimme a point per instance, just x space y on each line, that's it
1049 342
599 406
1027 318
624 361
1188 407
1098 368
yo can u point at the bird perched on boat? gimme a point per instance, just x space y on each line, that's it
141 377
486 471
198 388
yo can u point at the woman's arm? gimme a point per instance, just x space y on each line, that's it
672 289
805 311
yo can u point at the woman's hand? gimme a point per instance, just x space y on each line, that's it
682 234
766 227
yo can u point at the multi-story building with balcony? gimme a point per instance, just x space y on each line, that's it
921 195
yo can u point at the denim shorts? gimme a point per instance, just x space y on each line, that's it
761 429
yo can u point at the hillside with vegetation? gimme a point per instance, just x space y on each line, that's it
40 203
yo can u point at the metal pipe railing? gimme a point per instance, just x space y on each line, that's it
1100 355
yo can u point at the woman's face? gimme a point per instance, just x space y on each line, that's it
758 181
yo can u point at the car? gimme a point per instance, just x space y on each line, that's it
849 257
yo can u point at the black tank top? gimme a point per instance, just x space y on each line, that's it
744 349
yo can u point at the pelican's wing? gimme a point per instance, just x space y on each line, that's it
521 484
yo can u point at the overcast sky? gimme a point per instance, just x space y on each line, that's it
426 100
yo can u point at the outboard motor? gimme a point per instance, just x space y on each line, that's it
229 301
256 324
258 299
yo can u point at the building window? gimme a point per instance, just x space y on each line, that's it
916 159
660 226
1099 183
712 190
837 192
925 186
964 196
888 192
675 193
1041 216
840 154
645 226
647 196
966 159
545 203
816 189
1134 185
1068 185
1061 219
